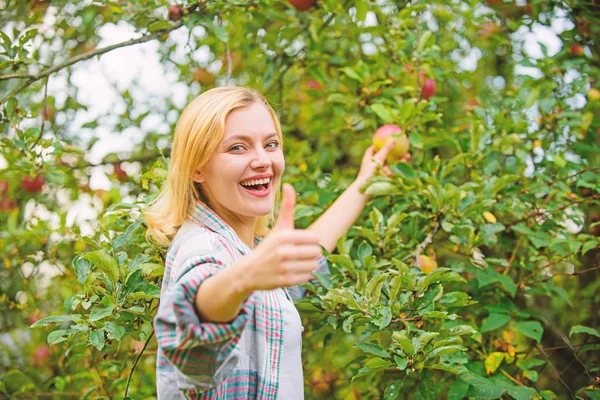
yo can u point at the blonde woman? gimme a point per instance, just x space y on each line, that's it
227 327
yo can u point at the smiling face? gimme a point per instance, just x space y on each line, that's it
242 176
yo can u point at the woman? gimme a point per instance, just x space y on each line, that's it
226 325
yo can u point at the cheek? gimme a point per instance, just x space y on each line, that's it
278 162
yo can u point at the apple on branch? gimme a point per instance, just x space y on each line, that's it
388 132
302 5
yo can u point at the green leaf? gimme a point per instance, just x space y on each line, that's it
352 74
382 112
404 169
494 321
584 329
102 310
532 329
404 342
381 189
493 361
458 390
82 269
54 319
157 26
392 391
114 331
373 291
97 339
373 349
58 336
445 350
105 263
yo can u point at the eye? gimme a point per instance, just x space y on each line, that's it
236 147
274 144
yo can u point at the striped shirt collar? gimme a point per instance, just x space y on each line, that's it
207 217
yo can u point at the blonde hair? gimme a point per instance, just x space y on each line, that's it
198 133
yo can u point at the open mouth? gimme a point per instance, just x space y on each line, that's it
259 187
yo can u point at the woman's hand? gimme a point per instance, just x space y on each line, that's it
372 161
287 256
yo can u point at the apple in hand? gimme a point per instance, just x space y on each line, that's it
388 132
302 5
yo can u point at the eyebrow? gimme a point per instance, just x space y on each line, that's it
248 138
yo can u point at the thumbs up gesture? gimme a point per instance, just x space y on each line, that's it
287 256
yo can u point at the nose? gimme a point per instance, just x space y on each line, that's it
261 159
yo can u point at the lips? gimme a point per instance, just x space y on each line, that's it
261 190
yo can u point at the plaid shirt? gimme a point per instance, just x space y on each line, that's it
205 360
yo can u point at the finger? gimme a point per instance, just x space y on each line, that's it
286 211
300 237
405 157
387 171
385 150
369 152
302 253
300 267
299 279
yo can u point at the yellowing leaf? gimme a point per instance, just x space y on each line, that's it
489 217
493 361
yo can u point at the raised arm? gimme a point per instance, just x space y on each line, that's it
340 216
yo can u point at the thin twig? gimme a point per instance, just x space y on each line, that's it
29 79
549 184
135 363
15 76
540 213
43 113
568 342
541 349
585 271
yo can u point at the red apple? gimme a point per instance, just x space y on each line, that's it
577 50
593 95
175 12
120 172
302 5
203 76
8 205
3 188
408 67
40 356
391 131
33 184
428 89
314 85
488 29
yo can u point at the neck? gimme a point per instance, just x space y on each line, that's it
243 226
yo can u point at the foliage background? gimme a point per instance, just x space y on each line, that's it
502 190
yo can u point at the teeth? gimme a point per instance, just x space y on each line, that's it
257 182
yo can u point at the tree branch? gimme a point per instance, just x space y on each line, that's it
539 213
29 79
135 363
551 183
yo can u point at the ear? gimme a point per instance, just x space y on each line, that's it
198 177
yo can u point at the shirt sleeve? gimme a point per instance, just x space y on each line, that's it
197 349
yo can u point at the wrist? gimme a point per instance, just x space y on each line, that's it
240 277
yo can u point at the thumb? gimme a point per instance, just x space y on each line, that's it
384 151
286 212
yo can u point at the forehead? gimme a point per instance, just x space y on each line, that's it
252 120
